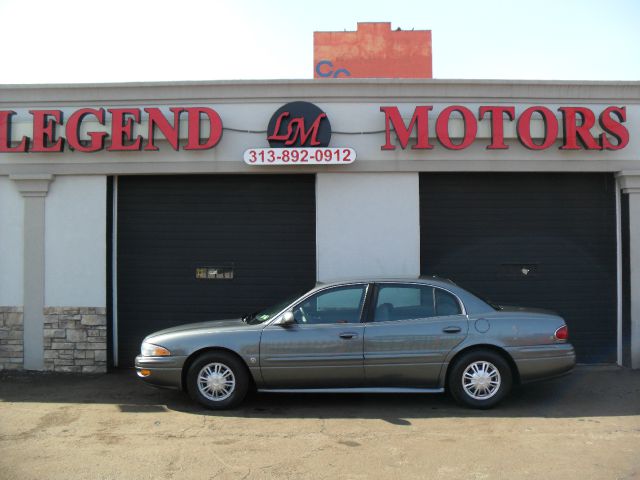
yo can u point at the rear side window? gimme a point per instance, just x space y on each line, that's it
405 302
446 304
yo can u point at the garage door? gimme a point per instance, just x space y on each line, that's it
539 240
194 248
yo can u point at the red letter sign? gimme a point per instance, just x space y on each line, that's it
215 128
170 132
122 129
420 119
550 128
44 131
470 127
5 134
574 132
497 127
614 128
73 131
296 128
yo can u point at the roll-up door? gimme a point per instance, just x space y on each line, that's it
539 240
195 248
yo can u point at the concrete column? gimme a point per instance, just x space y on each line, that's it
630 184
34 189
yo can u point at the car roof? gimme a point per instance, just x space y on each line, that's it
427 280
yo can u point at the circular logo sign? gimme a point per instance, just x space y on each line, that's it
299 124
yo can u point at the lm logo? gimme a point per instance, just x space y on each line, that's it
299 124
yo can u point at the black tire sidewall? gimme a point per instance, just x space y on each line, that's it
239 371
455 378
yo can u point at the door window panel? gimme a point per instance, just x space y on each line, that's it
338 305
405 302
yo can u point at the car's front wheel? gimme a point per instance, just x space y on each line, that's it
217 380
480 379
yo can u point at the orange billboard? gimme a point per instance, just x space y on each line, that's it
373 51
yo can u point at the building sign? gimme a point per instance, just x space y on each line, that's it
325 69
576 124
215 273
52 132
299 133
299 124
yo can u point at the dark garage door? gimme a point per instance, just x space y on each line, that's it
538 240
260 227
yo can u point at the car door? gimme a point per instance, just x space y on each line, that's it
411 329
324 348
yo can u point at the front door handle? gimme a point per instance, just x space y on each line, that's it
451 329
348 335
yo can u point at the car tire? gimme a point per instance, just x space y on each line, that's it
480 379
218 380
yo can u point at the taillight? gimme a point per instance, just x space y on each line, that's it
562 333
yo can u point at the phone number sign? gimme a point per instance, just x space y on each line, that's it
300 156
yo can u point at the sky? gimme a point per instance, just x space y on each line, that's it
80 41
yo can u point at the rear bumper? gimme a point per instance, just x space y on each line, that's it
540 362
161 371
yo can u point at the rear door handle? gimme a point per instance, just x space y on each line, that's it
348 335
451 329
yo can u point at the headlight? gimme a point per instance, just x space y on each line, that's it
151 350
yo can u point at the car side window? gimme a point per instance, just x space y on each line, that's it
446 304
404 302
336 305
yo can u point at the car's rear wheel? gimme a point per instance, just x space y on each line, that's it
217 380
480 379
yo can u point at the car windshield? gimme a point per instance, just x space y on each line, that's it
262 316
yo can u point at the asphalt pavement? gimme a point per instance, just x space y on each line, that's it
55 426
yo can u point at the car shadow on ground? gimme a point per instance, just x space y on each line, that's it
587 392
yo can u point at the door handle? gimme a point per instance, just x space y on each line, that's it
451 329
348 335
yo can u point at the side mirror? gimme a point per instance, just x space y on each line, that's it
287 319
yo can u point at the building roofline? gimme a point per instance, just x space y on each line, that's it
325 82
372 90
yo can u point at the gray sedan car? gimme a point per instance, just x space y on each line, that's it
407 336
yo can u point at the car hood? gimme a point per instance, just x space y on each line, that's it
511 308
210 326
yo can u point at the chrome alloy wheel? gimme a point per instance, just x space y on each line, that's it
481 380
216 381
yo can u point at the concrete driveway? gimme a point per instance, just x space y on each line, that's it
584 426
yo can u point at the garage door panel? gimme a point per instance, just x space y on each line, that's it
261 226
481 229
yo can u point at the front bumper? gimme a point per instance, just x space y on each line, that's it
540 362
161 371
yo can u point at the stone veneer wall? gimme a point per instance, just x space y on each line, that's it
75 339
11 338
